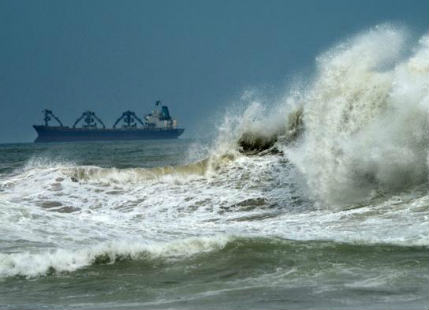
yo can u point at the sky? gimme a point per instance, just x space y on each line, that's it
197 56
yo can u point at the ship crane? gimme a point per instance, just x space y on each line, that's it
129 118
90 120
49 115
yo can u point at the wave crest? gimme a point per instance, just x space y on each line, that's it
36 264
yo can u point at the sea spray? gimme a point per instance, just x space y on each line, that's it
359 129
366 119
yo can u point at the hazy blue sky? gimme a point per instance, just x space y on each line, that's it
197 56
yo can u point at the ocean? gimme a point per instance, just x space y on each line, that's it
316 201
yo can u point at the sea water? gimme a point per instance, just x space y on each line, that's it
334 216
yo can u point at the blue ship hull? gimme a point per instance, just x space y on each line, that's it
67 134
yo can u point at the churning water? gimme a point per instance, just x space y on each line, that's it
334 214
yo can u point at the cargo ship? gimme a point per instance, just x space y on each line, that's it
89 127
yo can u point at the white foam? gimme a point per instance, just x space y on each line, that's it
163 215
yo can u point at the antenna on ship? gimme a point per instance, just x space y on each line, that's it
48 116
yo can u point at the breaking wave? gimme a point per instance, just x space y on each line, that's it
38 168
366 118
360 129
60 260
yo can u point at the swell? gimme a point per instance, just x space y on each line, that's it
62 260
235 253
